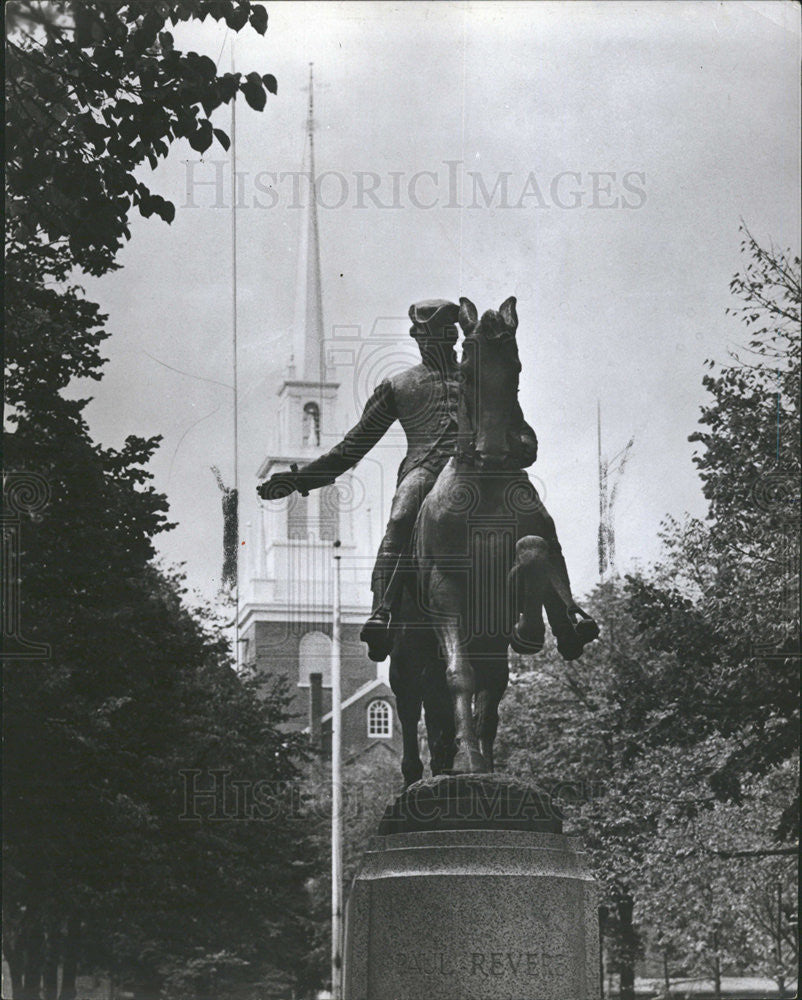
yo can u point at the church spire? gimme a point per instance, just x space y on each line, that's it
308 346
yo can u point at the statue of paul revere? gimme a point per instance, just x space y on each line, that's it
424 399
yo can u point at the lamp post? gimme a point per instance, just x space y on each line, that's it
336 791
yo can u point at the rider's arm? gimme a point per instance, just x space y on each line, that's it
377 417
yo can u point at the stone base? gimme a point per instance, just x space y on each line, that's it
471 914
471 802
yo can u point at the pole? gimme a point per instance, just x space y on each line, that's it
234 349
336 791
601 540
780 970
316 289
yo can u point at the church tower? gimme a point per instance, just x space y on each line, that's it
286 605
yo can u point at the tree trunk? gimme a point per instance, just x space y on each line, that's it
50 976
629 948
147 986
69 972
603 914
51 961
16 963
716 970
34 960
666 977
780 971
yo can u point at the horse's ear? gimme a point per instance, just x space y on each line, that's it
468 316
508 313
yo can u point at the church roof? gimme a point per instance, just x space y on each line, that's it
360 693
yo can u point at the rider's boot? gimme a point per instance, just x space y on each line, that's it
376 634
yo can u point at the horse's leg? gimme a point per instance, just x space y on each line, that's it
528 585
494 676
405 680
448 603
438 709
571 626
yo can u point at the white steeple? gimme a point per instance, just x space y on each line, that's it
308 345
293 563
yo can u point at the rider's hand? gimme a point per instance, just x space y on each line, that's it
278 486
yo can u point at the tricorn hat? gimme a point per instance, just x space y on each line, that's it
434 315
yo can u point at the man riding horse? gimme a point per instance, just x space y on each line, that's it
424 399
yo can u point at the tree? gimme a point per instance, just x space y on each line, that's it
370 783
683 875
581 730
709 890
114 749
94 90
679 720
726 595
105 867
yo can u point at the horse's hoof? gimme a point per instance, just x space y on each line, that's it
569 644
527 640
587 630
468 761
412 773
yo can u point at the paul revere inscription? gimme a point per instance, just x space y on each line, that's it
487 964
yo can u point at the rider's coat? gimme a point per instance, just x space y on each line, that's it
424 400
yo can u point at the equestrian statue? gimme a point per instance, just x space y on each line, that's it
470 557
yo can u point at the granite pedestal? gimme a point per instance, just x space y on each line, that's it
472 892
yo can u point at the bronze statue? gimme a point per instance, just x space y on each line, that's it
485 558
424 400
487 561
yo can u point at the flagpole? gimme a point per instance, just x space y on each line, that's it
336 791
234 348
601 540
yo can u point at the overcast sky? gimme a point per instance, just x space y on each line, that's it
624 142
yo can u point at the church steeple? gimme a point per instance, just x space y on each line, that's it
308 340
286 602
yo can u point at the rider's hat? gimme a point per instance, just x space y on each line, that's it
435 317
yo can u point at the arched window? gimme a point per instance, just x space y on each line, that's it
311 426
314 657
380 720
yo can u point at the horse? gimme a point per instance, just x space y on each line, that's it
482 569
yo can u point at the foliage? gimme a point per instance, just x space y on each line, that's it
103 741
711 894
106 867
94 90
672 744
749 457
726 597
369 784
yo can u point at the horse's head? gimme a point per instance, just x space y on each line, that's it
489 370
